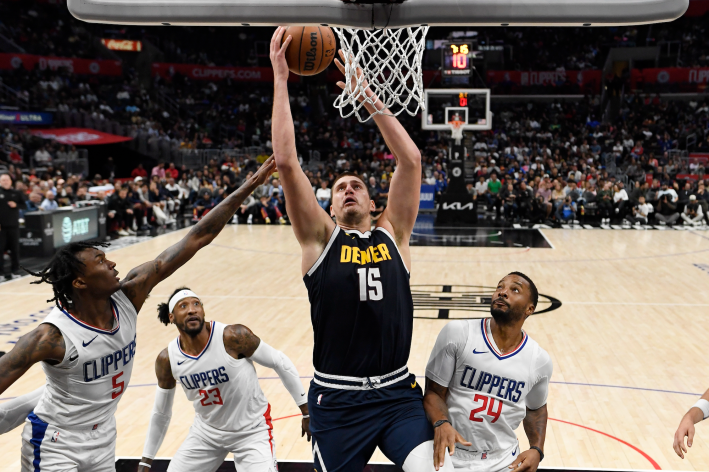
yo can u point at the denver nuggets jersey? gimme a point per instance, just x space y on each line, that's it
84 389
224 391
361 305
488 393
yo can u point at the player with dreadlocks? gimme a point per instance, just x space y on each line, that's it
86 345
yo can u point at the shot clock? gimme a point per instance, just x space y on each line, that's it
457 59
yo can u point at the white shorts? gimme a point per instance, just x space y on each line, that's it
464 461
206 449
53 449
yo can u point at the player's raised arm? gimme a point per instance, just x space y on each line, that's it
405 187
141 280
697 413
241 342
44 343
312 226
162 411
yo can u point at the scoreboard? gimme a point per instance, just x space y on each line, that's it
457 59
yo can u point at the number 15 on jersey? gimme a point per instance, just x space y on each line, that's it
370 287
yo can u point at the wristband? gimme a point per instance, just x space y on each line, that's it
541 454
703 405
306 416
440 422
145 464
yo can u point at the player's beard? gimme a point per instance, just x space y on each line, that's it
504 317
352 216
195 331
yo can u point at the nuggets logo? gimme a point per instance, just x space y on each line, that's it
463 301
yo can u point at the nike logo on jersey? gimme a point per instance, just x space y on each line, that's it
182 362
71 359
514 453
87 343
413 385
302 394
481 352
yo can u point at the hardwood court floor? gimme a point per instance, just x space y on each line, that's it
628 343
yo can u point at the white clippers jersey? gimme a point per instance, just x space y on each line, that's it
488 393
84 389
224 391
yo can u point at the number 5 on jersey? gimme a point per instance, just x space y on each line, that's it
370 287
490 411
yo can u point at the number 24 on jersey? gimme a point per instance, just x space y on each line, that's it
491 409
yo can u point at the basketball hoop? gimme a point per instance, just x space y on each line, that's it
390 61
457 131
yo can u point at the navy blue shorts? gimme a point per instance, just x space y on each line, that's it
348 425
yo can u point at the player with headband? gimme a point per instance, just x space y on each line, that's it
214 364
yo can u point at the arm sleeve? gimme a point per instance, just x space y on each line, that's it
537 396
276 360
14 412
451 340
159 421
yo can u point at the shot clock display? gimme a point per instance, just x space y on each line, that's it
457 59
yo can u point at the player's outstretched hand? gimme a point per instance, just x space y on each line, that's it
685 430
445 437
278 53
355 72
265 171
528 461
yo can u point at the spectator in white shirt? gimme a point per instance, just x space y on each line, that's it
641 211
323 195
693 214
42 156
481 186
49 203
620 199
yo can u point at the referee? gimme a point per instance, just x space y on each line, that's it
10 202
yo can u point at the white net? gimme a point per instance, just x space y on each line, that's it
456 130
383 63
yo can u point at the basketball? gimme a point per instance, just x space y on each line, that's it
311 50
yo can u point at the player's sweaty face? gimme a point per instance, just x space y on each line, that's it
350 197
189 315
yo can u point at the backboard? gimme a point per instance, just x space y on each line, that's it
367 14
469 105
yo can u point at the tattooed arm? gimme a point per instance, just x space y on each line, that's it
141 280
240 342
535 426
44 343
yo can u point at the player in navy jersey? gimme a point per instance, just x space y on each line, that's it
87 344
362 395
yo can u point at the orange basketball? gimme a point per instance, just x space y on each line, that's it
311 50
